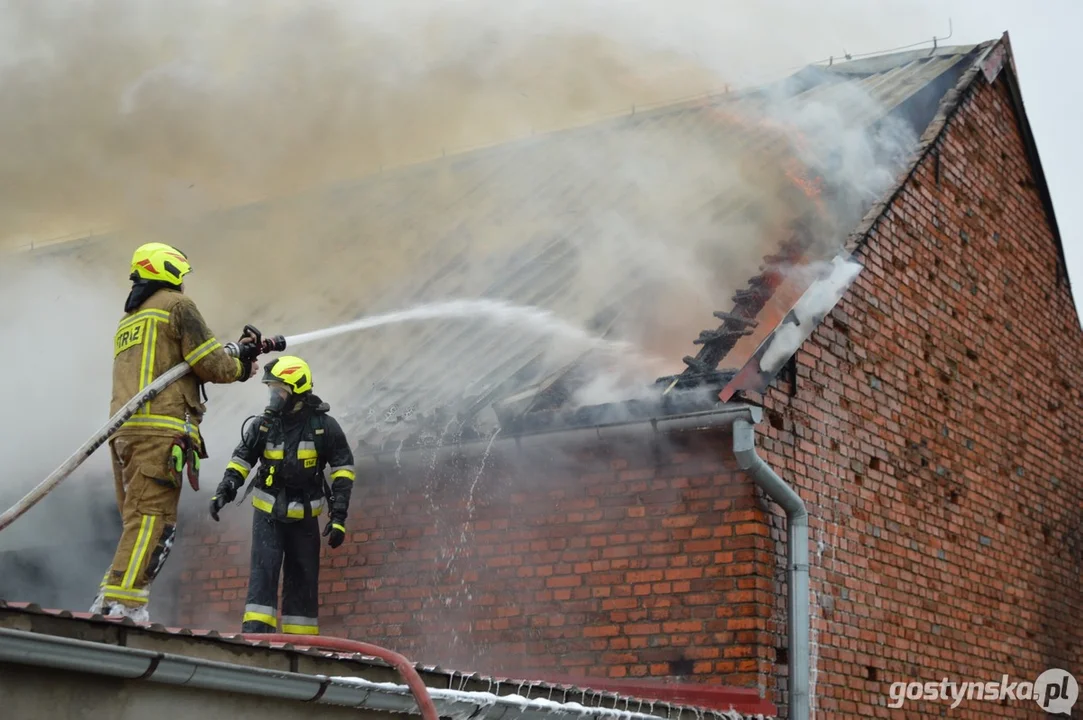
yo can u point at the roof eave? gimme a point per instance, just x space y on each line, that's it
722 416
56 653
207 648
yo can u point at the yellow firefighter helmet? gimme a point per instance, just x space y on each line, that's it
291 371
158 261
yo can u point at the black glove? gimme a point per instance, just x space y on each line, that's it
337 530
248 350
224 495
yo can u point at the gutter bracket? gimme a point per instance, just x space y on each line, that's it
150 668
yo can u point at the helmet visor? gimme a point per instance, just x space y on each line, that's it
278 395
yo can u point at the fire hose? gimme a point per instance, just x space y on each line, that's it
404 667
276 343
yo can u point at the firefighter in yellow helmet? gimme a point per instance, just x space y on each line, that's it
293 442
161 328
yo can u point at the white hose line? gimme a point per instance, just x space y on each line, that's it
96 441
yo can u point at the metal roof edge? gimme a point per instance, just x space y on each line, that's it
695 694
1034 158
873 64
722 415
724 703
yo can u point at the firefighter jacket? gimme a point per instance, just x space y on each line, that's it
293 449
165 330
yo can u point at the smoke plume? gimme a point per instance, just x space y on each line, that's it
277 143
58 358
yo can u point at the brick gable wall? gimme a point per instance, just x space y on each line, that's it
933 433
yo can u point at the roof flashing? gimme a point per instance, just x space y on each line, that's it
875 64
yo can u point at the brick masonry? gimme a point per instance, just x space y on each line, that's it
933 432
935 435
630 560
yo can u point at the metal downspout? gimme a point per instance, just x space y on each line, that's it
798 619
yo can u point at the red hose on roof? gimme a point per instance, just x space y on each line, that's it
400 663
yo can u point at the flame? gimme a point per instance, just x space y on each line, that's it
811 185
788 142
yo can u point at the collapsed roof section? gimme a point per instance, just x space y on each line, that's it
757 344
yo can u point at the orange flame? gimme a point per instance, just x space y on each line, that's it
812 186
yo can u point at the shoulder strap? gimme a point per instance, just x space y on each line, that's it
259 420
319 433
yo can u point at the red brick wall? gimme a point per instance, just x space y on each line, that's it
935 435
638 560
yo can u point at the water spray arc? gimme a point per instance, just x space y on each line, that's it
492 310
495 311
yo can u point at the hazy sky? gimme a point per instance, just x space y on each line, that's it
1043 34
122 111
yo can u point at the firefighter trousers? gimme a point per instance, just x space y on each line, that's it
294 548
147 499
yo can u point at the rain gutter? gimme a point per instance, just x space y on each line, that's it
35 649
722 416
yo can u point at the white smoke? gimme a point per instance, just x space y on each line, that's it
148 116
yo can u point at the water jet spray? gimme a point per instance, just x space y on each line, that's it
493 310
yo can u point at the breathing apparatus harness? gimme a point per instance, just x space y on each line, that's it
271 420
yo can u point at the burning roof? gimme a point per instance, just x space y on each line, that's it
741 192
520 388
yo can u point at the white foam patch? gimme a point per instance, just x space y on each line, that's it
810 310
475 700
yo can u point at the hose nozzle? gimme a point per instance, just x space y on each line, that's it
275 343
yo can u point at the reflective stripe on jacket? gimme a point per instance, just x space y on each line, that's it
293 451
166 330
